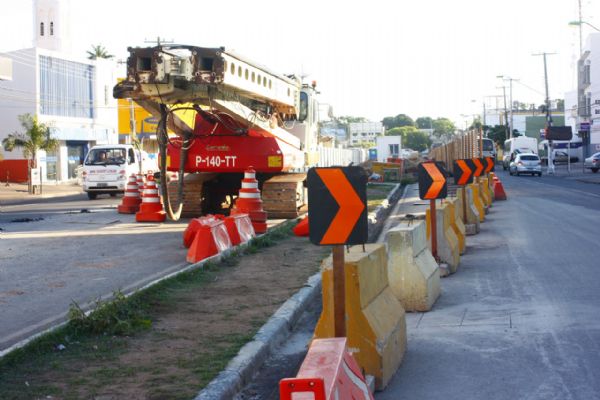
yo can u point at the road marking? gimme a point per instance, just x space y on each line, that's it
572 190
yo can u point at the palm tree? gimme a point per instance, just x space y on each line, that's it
36 137
98 51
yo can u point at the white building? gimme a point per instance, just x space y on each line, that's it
72 95
388 146
589 81
364 132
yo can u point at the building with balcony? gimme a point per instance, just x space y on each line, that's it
588 94
364 133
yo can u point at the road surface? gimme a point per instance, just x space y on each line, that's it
519 320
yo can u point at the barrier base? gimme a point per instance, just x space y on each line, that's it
154 217
471 229
123 209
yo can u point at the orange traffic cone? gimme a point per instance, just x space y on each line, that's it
131 199
301 229
249 202
499 193
150 210
140 182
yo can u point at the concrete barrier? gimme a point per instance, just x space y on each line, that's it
485 192
412 271
447 243
375 319
456 224
477 201
473 220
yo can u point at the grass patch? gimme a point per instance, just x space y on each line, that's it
96 338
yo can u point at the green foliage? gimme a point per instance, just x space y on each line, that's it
347 119
117 317
98 51
399 120
37 136
443 127
497 133
412 138
424 123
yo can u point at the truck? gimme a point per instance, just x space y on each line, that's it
244 117
107 167
519 144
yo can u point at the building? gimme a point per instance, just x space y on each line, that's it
5 69
364 133
71 94
336 131
588 94
388 147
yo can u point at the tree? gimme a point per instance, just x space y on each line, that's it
36 138
443 128
412 138
424 123
397 121
98 51
497 133
347 119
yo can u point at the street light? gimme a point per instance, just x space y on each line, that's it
578 23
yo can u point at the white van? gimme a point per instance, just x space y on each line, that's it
519 144
106 168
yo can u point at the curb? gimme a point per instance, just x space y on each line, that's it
381 212
252 355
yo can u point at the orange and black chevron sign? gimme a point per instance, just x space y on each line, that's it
478 163
463 171
432 181
489 165
337 205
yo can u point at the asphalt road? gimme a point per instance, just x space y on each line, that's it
63 254
519 320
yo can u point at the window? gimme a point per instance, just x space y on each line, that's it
303 114
41 29
66 88
394 149
131 156
51 28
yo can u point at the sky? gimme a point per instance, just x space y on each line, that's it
437 58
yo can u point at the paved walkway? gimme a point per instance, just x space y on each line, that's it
17 192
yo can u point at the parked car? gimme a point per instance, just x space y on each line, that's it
526 163
592 162
560 157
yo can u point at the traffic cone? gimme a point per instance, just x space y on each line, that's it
140 182
249 202
499 193
301 229
131 199
150 210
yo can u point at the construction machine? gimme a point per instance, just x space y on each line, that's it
244 116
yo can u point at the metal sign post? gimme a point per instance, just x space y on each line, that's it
433 229
339 292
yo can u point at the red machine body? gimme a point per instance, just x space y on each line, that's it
225 145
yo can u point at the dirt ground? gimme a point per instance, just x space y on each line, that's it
193 334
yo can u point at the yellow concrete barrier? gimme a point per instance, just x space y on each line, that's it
456 224
412 271
484 192
473 220
477 201
447 243
375 319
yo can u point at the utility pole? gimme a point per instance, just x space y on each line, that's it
580 30
508 132
548 114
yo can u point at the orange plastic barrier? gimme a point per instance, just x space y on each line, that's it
240 228
302 228
499 193
211 238
328 372
151 209
249 202
131 198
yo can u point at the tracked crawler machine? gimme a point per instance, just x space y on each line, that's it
243 116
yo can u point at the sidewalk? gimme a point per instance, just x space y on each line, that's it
576 173
17 192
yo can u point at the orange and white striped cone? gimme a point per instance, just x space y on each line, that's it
151 209
249 202
131 198
140 182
